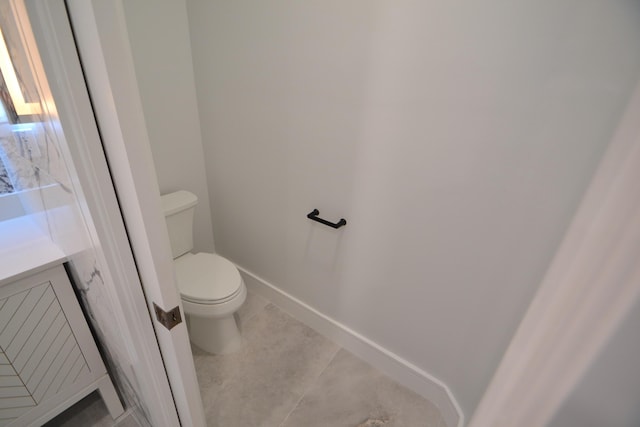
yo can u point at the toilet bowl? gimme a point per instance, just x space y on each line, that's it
212 291
210 286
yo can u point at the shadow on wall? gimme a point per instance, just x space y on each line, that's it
609 393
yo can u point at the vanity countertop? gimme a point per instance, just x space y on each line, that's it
25 249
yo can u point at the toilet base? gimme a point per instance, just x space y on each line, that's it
215 335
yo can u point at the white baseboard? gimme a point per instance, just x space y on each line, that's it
391 364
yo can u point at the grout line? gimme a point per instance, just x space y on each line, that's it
311 384
440 420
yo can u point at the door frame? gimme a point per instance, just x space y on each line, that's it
128 221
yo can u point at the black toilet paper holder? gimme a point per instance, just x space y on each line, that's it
313 215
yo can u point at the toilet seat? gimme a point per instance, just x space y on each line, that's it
206 278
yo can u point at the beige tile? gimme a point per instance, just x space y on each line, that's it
252 306
350 393
261 384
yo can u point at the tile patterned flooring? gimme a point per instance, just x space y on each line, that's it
288 375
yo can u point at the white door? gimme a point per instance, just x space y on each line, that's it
135 250
592 283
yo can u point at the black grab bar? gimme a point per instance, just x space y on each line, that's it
313 215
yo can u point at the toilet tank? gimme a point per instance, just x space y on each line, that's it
178 208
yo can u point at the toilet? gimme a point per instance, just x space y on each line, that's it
211 287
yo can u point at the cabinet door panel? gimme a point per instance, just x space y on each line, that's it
12 381
43 378
52 321
62 374
23 323
26 364
47 354
9 308
16 402
15 399
15 391
39 345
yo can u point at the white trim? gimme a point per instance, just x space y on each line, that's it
386 361
592 283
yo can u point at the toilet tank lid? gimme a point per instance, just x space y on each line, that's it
177 201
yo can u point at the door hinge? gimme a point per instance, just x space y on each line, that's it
170 318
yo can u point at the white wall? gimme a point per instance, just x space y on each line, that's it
159 37
609 394
456 139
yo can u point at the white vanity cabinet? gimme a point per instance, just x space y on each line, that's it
48 358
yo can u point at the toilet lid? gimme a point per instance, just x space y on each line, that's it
205 277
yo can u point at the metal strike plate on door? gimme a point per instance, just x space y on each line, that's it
168 319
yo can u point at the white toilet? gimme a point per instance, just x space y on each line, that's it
210 285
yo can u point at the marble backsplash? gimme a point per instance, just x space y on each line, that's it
30 158
86 273
6 186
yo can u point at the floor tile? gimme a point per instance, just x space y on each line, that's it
252 306
351 393
261 384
